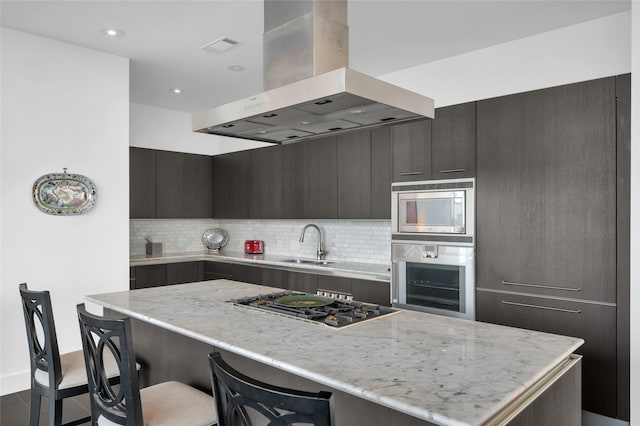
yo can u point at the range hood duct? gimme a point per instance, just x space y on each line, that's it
309 89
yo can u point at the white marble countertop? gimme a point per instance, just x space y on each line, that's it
369 271
444 370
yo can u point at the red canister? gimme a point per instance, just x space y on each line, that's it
254 246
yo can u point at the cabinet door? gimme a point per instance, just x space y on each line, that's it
354 175
294 180
266 183
371 291
183 185
274 278
546 192
300 281
150 276
381 173
341 284
196 189
453 138
232 185
218 271
142 183
322 181
595 323
184 272
412 151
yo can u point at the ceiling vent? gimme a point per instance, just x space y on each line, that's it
220 45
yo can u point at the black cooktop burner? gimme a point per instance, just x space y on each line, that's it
342 311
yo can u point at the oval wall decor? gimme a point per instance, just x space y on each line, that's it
64 193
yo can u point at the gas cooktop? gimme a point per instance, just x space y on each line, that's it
330 308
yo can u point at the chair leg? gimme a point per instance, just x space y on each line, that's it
55 412
34 409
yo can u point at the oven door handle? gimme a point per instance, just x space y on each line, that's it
394 282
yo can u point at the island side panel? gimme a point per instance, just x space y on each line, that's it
166 355
560 405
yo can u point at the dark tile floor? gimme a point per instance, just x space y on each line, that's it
14 409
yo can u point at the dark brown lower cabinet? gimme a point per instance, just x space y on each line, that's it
363 290
377 292
185 272
339 284
300 281
149 276
593 322
165 274
178 273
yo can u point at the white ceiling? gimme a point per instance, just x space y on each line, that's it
163 37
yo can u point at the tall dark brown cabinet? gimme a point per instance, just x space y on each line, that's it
546 222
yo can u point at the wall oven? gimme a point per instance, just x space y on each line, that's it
433 277
433 247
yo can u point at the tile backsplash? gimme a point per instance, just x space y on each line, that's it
365 241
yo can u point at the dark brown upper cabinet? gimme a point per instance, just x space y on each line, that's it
354 175
232 185
381 173
322 179
183 185
142 183
166 184
453 142
266 183
546 192
294 180
411 151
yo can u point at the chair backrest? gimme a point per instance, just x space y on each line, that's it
41 334
119 404
241 400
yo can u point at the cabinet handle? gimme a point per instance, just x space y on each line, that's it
548 308
410 173
453 171
549 287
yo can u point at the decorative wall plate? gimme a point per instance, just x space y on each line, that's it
64 193
215 238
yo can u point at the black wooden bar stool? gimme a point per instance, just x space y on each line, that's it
53 375
168 403
243 400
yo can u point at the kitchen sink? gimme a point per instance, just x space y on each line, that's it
309 261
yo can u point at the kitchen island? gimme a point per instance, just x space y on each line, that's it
402 368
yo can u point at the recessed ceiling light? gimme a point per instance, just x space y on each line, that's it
176 90
236 68
112 32
220 45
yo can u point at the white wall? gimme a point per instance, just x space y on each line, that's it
62 106
635 213
594 49
169 130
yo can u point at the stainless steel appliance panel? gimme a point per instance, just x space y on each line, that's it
434 278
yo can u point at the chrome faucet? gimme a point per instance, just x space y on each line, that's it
321 252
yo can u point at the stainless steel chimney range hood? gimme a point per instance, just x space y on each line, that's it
310 90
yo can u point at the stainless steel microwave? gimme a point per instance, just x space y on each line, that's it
436 210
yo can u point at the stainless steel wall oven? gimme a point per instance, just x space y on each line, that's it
433 247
